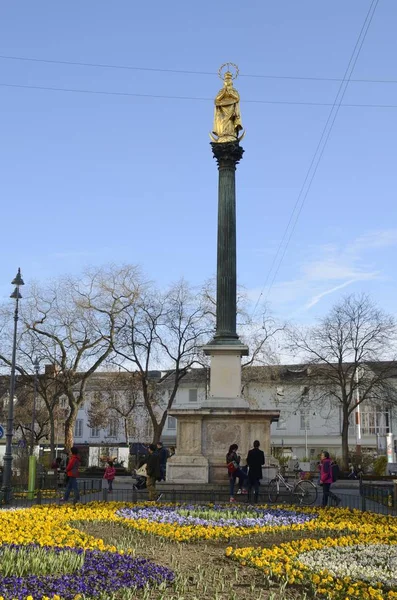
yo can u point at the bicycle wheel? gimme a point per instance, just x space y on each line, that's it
305 493
274 490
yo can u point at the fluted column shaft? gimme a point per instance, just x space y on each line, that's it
227 155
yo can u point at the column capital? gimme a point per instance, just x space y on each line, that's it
227 154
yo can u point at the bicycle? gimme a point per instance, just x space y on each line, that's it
303 491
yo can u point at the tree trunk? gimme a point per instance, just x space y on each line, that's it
69 427
126 433
345 440
52 436
157 431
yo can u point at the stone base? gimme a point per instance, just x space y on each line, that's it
204 436
188 469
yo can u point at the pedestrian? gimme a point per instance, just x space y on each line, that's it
255 462
72 472
163 456
234 471
326 479
153 471
109 475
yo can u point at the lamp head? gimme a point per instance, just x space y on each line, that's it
18 279
15 294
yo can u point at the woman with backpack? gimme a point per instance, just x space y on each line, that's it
234 471
326 479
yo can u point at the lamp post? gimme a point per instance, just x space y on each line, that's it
36 367
7 461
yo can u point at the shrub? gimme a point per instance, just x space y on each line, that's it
379 467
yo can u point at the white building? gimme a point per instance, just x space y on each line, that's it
303 430
305 426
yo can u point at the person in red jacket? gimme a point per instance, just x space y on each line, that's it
72 471
326 479
109 475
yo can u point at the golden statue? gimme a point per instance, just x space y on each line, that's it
227 117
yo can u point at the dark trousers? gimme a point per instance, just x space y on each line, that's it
327 494
163 469
232 480
253 484
110 485
72 485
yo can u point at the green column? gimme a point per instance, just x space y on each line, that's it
32 476
227 156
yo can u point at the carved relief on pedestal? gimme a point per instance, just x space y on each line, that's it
219 436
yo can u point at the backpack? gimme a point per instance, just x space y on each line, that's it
335 472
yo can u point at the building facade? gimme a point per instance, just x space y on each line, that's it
305 427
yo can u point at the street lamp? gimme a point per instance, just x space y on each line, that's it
36 366
7 461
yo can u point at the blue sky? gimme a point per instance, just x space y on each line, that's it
91 178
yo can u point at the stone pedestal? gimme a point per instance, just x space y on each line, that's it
225 376
204 436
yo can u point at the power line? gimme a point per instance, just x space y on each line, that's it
318 153
182 71
170 97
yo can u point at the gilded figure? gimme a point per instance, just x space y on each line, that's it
227 117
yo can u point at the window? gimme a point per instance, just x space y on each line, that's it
78 428
113 428
305 420
375 421
171 423
95 432
193 395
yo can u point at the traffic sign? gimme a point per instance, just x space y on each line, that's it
1 432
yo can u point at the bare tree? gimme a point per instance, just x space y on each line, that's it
48 392
350 351
261 334
72 322
162 330
117 398
23 404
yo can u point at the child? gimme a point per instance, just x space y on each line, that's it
110 473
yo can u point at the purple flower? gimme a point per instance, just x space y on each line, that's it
233 516
101 572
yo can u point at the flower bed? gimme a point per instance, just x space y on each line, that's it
100 572
42 556
215 516
361 564
210 522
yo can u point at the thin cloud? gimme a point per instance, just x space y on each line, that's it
376 239
317 298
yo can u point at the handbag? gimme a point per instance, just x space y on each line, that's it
142 471
232 467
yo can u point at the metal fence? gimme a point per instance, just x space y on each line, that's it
370 497
51 493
